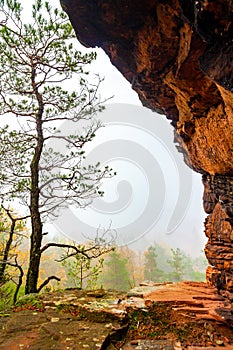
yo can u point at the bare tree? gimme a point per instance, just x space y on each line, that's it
12 231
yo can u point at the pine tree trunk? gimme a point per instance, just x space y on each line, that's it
36 224
35 253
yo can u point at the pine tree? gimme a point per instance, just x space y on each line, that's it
35 60
177 263
151 270
116 275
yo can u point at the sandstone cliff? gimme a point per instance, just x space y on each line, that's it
178 56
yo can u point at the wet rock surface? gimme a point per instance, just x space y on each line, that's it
178 56
185 315
62 320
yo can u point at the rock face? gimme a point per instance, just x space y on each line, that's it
178 56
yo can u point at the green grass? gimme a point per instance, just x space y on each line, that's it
6 295
30 301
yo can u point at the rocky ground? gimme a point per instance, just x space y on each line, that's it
166 316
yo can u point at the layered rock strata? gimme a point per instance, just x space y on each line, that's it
178 56
218 203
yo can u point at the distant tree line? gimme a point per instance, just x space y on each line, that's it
118 268
125 268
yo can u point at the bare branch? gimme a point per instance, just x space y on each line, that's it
20 278
61 245
47 281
